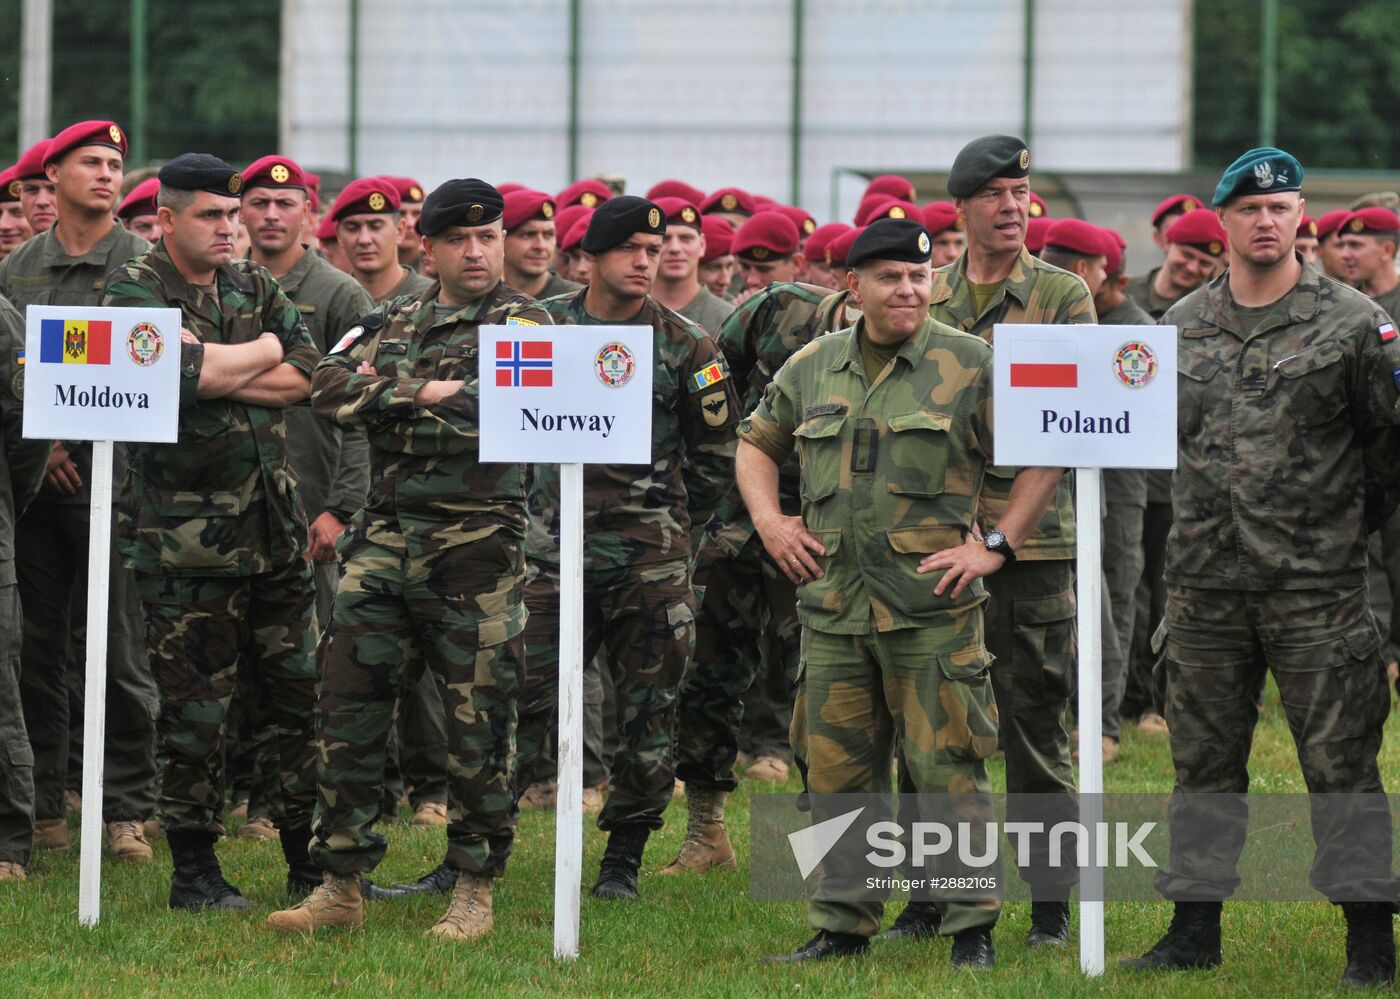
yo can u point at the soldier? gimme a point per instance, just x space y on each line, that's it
66 265
574 264
1369 238
138 210
368 227
678 284
734 205
1030 619
821 270
717 264
889 652
410 207
20 475
1306 240
14 227
1168 210
589 192
329 245
945 227
637 526
1329 244
215 531
37 196
768 252
530 245
1288 423
1195 246
434 572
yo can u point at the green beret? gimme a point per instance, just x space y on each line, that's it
1265 170
982 159
891 239
201 172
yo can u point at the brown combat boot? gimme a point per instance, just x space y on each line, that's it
51 834
429 815
127 841
469 915
11 871
706 845
334 904
258 827
541 795
768 770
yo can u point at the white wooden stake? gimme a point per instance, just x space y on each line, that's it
1089 534
95 694
568 842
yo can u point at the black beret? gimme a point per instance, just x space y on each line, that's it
617 219
201 172
460 202
891 239
982 159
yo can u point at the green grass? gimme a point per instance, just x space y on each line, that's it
698 936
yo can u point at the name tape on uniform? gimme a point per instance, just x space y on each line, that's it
566 394
1085 396
98 374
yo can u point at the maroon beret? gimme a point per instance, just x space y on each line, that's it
564 219
1199 229
1077 236
1375 220
1115 246
276 172
31 164
891 185
85 133
9 185
719 237
410 191
1329 222
818 246
675 189
366 196
577 230
766 236
1180 203
1036 231
799 217
523 206
1307 226
325 229
588 192
728 199
841 246
141 200
894 208
509 186
1037 208
940 217
679 211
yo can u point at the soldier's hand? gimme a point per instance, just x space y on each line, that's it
435 391
61 475
187 337
322 535
365 368
791 547
275 341
970 560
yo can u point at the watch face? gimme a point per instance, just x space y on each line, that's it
995 539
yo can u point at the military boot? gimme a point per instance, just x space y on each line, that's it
468 915
51 834
617 874
302 873
12 871
541 795
706 845
197 881
919 920
826 944
1191 941
440 880
430 815
127 841
973 949
1370 945
335 904
1049 924
258 827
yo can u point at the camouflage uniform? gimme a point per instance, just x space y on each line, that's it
707 310
1030 618
51 559
1385 546
1287 443
20 475
891 472
216 535
749 615
433 576
637 588
558 286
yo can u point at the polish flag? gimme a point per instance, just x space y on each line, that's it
1040 364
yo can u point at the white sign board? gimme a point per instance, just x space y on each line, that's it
93 374
566 394
1085 396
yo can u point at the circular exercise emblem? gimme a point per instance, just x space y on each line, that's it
615 365
144 344
1135 364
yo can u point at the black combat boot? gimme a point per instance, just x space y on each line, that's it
973 949
439 881
918 921
1049 924
617 874
303 876
1370 945
197 881
825 944
1192 940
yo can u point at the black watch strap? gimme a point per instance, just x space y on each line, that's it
996 542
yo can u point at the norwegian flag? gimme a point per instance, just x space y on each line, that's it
524 364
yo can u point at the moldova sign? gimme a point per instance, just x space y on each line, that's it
1085 396
566 394
93 374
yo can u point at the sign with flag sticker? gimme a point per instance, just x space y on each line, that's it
94 374
1085 396
566 394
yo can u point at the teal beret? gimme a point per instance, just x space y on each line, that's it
982 159
1265 170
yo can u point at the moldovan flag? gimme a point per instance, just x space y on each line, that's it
75 341
1036 364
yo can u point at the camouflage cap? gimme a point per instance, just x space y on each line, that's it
1264 170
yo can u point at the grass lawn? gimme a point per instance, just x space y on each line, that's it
685 937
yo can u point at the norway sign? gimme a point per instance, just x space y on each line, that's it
1085 396
566 394
93 374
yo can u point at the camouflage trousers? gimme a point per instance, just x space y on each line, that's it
1324 653
458 613
1122 569
1031 632
1151 602
16 758
862 694
748 618
203 633
643 618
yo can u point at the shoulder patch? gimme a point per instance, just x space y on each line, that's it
715 407
519 321
351 337
711 374
1386 332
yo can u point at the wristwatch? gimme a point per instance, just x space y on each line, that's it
996 542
